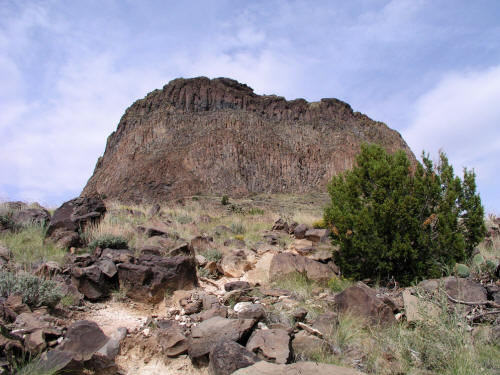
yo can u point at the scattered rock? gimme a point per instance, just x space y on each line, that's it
271 344
199 244
415 306
302 247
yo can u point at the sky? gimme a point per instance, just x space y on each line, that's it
68 70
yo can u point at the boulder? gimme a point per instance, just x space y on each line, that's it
317 235
286 263
48 269
228 356
273 345
300 231
65 238
91 281
300 368
171 339
457 288
153 229
76 214
216 329
237 262
252 311
83 339
35 341
27 216
361 300
260 274
152 276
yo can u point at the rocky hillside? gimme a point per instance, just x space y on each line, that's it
196 288
217 136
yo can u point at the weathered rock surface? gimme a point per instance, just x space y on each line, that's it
300 368
28 216
152 276
286 263
228 356
218 136
205 335
270 344
362 300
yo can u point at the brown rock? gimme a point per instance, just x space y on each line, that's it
317 235
300 231
165 144
171 339
233 285
228 356
286 263
237 262
27 216
362 300
273 345
83 339
35 341
216 329
153 276
75 214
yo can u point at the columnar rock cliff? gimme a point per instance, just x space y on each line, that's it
217 136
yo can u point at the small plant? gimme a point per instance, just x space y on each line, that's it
239 237
225 200
68 300
109 242
319 224
34 290
119 295
237 228
296 283
255 211
212 255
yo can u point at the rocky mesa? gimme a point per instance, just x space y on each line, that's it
217 136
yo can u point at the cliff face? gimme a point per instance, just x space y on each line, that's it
217 136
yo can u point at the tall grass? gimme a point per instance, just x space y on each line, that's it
28 246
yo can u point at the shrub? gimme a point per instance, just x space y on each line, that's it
238 228
212 255
225 200
109 242
319 224
34 290
393 220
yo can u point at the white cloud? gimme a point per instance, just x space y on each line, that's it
461 116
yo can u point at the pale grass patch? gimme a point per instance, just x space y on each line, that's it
307 218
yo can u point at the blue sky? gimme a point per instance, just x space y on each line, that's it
69 69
